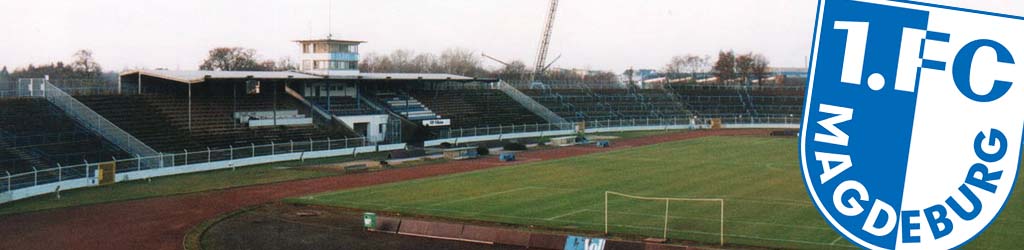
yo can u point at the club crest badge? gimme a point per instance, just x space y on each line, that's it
911 136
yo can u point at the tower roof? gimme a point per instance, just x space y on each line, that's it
330 41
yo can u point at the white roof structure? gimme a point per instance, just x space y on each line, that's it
402 76
198 76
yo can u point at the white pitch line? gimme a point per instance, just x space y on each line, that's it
568 214
482 196
837 240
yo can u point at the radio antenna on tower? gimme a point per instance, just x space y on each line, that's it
330 21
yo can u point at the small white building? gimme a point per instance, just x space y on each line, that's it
329 57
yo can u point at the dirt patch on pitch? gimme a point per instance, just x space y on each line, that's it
286 226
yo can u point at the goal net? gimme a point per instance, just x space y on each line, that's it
699 219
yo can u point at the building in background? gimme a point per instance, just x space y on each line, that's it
329 57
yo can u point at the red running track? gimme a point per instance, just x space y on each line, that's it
161 223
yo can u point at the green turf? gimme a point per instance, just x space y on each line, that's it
766 203
180 184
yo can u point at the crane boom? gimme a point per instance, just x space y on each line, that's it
542 52
494 59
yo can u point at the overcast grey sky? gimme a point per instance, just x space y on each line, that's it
596 34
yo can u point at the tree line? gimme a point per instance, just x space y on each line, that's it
729 66
465 62
82 66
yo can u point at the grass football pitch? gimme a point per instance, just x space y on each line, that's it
759 178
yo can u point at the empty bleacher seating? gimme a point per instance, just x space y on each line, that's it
735 100
34 133
408 106
609 103
469 108
163 121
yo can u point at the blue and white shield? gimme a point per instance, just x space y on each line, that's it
911 137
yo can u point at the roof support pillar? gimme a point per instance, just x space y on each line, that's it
328 83
189 108
234 100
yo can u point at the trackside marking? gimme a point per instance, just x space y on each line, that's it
837 240
482 196
568 214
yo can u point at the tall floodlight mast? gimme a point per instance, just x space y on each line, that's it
542 52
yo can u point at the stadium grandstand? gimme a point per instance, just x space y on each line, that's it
156 118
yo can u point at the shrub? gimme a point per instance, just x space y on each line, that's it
514 146
481 150
543 141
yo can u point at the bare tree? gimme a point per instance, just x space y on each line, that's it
696 64
515 70
759 67
744 66
85 63
232 59
688 64
461 62
425 63
725 67
401 61
286 64
675 66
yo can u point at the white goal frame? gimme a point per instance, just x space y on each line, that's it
721 202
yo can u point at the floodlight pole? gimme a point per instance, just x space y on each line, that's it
190 109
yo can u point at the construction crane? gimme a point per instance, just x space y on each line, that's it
494 59
542 52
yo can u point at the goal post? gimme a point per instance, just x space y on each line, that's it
667 201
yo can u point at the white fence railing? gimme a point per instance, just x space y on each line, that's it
467 135
42 181
596 124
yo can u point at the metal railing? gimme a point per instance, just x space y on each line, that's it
95 122
531 104
14 181
613 123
